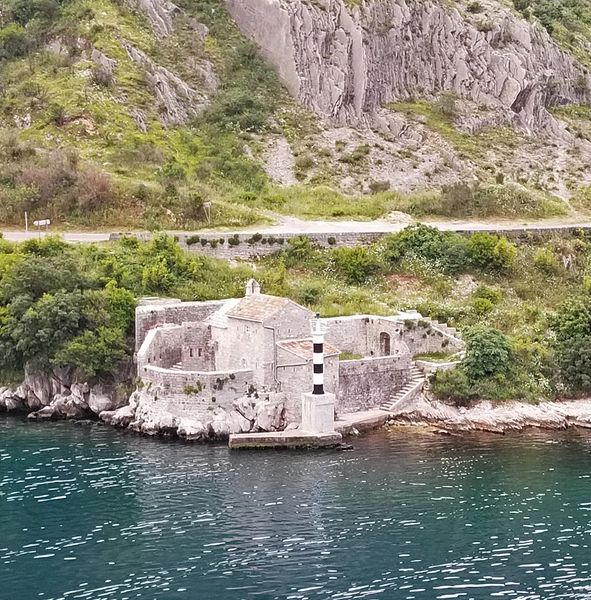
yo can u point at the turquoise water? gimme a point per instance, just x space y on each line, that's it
89 512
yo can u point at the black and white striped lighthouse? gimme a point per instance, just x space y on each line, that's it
318 406
318 356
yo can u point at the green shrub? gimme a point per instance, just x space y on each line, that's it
488 353
355 264
452 385
310 293
490 252
13 41
417 241
546 261
494 296
299 251
572 344
378 187
482 306
193 239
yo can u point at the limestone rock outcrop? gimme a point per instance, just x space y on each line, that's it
146 414
160 13
179 101
346 63
61 394
500 418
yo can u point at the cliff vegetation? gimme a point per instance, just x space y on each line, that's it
148 114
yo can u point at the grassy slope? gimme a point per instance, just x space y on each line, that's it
160 178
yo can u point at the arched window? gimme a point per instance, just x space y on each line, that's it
385 344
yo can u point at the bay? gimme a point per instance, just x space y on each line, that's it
91 512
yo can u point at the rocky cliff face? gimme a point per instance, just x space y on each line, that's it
347 63
61 394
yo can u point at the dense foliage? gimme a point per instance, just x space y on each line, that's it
74 306
572 329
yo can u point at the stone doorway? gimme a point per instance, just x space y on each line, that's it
384 344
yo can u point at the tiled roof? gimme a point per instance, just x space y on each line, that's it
304 348
220 317
258 307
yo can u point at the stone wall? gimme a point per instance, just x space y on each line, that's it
348 334
250 245
367 383
149 316
392 328
216 388
422 338
247 248
161 347
198 350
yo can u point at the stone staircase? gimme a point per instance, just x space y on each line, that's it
413 387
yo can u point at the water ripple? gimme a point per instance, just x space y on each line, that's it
91 513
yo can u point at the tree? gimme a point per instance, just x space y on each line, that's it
46 326
572 344
94 352
488 353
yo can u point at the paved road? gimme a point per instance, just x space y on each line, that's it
290 225
85 237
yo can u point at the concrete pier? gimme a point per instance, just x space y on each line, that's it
284 439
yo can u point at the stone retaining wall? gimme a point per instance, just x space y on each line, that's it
251 245
149 317
367 383
215 388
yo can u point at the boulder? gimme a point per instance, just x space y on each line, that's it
246 407
238 423
108 65
192 430
270 415
13 403
220 426
101 399
121 417
46 413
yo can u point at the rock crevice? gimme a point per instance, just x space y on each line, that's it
347 63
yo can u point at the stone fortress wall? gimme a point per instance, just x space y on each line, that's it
156 312
177 359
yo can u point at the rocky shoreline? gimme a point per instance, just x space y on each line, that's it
60 396
495 418
53 398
